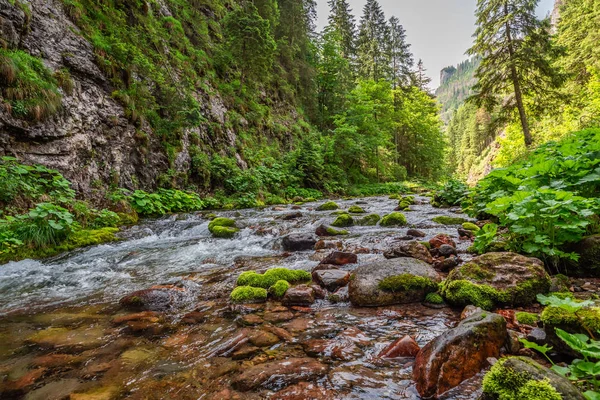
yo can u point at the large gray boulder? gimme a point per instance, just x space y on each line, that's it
395 281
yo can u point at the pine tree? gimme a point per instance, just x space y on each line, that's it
372 57
342 21
515 48
399 54
422 81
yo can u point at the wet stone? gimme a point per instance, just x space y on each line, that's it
275 317
336 349
246 351
249 320
440 240
416 233
157 298
340 258
262 338
403 347
301 295
298 242
332 279
304 391
446 250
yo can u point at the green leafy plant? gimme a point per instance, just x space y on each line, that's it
452 194
544 350
485 237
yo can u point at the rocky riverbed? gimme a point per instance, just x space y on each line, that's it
150 317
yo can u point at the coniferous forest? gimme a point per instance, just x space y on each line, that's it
217 199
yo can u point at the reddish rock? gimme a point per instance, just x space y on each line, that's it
415 233
356 336
304 391
410 249
440 240
262 338
336 349
57 360
301 295
468 311
279 374
331 279
279 332
328 244
249 320
227 347
319 292
403 347
194 317
149 316
22 384
157 298
246 351
459 353
279 316
446 264
340 258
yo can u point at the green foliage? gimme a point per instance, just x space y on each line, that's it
279 288
451 194
587 371
165 201
534 346
343 221
271 276
404 282
504 383
393 219
29 88
45 225
566 303
248 294
456 86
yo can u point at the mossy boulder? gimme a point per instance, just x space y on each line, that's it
469 226
495 279
527 318
324 230
328 206
356 210
369 220
445 220
272 276
459 353
223 227
248 294
588 264
393 219
396 281
412 249
343 221
521 378
584 321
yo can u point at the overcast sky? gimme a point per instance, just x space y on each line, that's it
438 30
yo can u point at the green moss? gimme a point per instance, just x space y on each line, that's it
504 383
336 232
470 227
223 228
434 298
279 288
583 321
526 318
464 292
340 212
474 271
445 220
244 294
356 210
343 220
329 206
404 282
426 244
270 277
369 220
393 219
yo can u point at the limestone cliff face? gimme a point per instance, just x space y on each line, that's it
91 140
555 16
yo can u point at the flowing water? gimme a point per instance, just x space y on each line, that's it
62 331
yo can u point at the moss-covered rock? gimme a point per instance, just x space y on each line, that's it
496 279
588 264
343 221
520 378
328 206
324 230
584 321
469 226
445 220
369 220
434 298
356 210
393 219
279 288
248 294
404 282
272 276
223 227
526 318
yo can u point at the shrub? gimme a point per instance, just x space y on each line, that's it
45 225
452 194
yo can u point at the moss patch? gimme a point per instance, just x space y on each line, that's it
404 282
469 226
279 289
223 227
369 220
463 293
583 321
356 210
434 298
504 383
393 219
329 206
336 232
244 294
445 220
526 318
272 276
343 220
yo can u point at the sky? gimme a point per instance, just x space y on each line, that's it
438 30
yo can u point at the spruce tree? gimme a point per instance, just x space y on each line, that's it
342 21
515 48
399 53
372 57
422 81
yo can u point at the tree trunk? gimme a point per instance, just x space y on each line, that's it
516 84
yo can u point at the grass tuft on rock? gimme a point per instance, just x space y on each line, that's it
393 219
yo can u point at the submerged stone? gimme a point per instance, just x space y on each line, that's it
279 374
